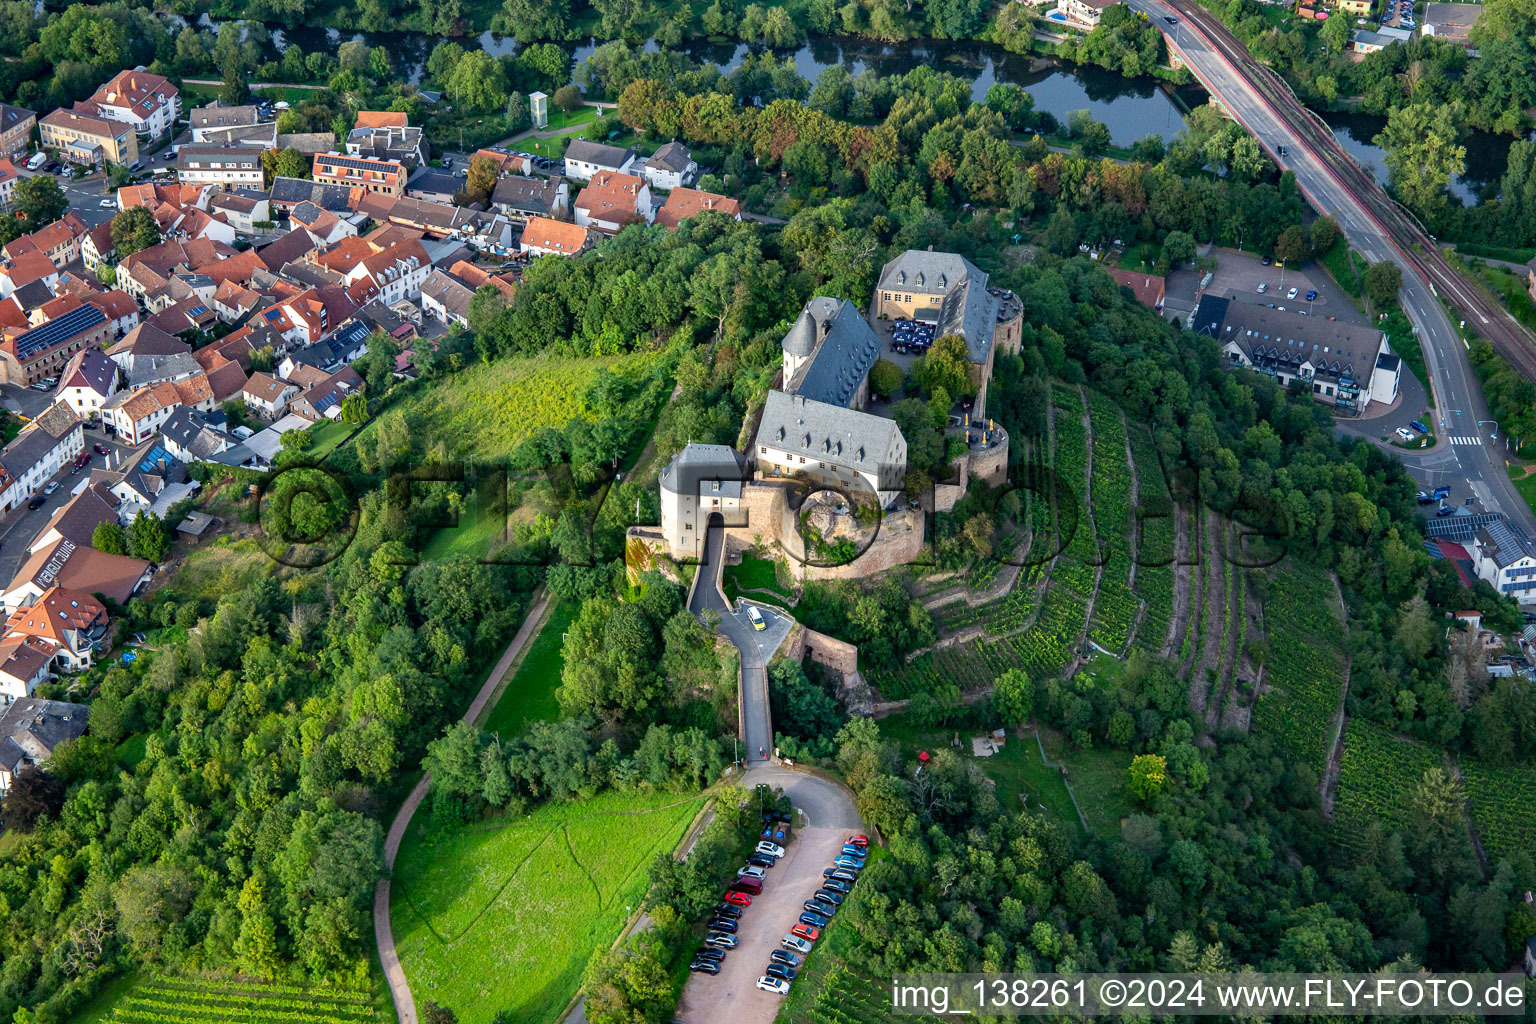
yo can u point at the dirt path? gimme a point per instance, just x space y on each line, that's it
383 932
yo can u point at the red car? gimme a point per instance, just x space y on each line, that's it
858 840
806 931
741 899
83 459
100 448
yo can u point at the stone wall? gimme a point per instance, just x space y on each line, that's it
899 542
838 655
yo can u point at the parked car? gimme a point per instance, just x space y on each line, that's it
784 957
798 943
850 850
852 863
1442 492
723 924
750 871
1420 427
776 970
1291 294
761 860
1405 433
1311 295
729 910
842 874
828 896
723 940
101 449
1265 261
741 899
771 849
751 885
756 618
857 839
1425 498
50 486
778 986
808 932
704 967
710 953
1263 287
814 919
837 885
1445 510
37 502
815 906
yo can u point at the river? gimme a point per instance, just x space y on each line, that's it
1130 107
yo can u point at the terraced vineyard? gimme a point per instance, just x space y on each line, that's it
195 1001
1377 778
847 998
1503 806
1115 607
1305 673
1155 544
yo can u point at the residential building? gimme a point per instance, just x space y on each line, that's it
1085 12
384 177
1356 8
88 380
147 480
287 193
225 166
1530 278
148 102
16 124
1365 41
25 664
32 729
72 624
400 144
1345 366
506 162
301 320
396 273
524 198
42 448
83 137
59 241
545 237
42 352
613 201
702 480
830 446
76 520
217 115
243 210
381 119
97 247
144 346
75 567
188 436
1505 557
584 159
136 415
686 202
1150 289
268 395
346 344
118 307
23 270
446 298
671 166
434 187
322 399
8 179
828 353
1452 22
953 295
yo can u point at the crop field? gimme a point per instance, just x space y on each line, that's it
1377 777
1503 806
504 916
1154 542
1305 673
1070 455
486 411
190 1000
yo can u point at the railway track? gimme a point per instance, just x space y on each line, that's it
1482 311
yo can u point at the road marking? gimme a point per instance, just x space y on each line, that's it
1466 439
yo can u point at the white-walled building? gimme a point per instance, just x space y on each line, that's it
701 480
148 102
88 381
613 201
671 166
1506 559
42 448
857 453
584 159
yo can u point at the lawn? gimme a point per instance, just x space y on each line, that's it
1098 778
530 694
1526 485
485 411
327 436
505 915
220 566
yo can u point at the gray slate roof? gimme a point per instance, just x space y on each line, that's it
705 463
586 152
843 347
32 728
190 431
673 156
969 308
832 434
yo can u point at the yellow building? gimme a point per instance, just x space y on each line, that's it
16 126
82 138
1358 8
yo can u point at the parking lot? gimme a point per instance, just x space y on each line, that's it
732 995
1239 274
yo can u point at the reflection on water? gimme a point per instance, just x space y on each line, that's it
1487 154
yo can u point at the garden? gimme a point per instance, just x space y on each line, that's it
504 915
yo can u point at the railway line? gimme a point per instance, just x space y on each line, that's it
1416 246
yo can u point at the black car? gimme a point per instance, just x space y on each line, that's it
710 953
704 967
1171 20
780 971
729 910
814 919
761 860
785 957
37 502
820 907
723 924
837 885
828 896
720 939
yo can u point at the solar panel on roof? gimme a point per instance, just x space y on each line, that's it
57 331
273 314
197 310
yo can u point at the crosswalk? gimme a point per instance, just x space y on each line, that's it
1466 439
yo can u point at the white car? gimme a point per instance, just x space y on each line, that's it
775 985
50 486
750 872
1291 294
1405 433
796 943
107 204
1263 287
770 849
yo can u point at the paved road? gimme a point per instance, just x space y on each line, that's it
22 524
755 647
1459 403
383 932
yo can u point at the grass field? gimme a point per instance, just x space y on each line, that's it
504 916
530 694
1526 485
198 1000
218 567
485 411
